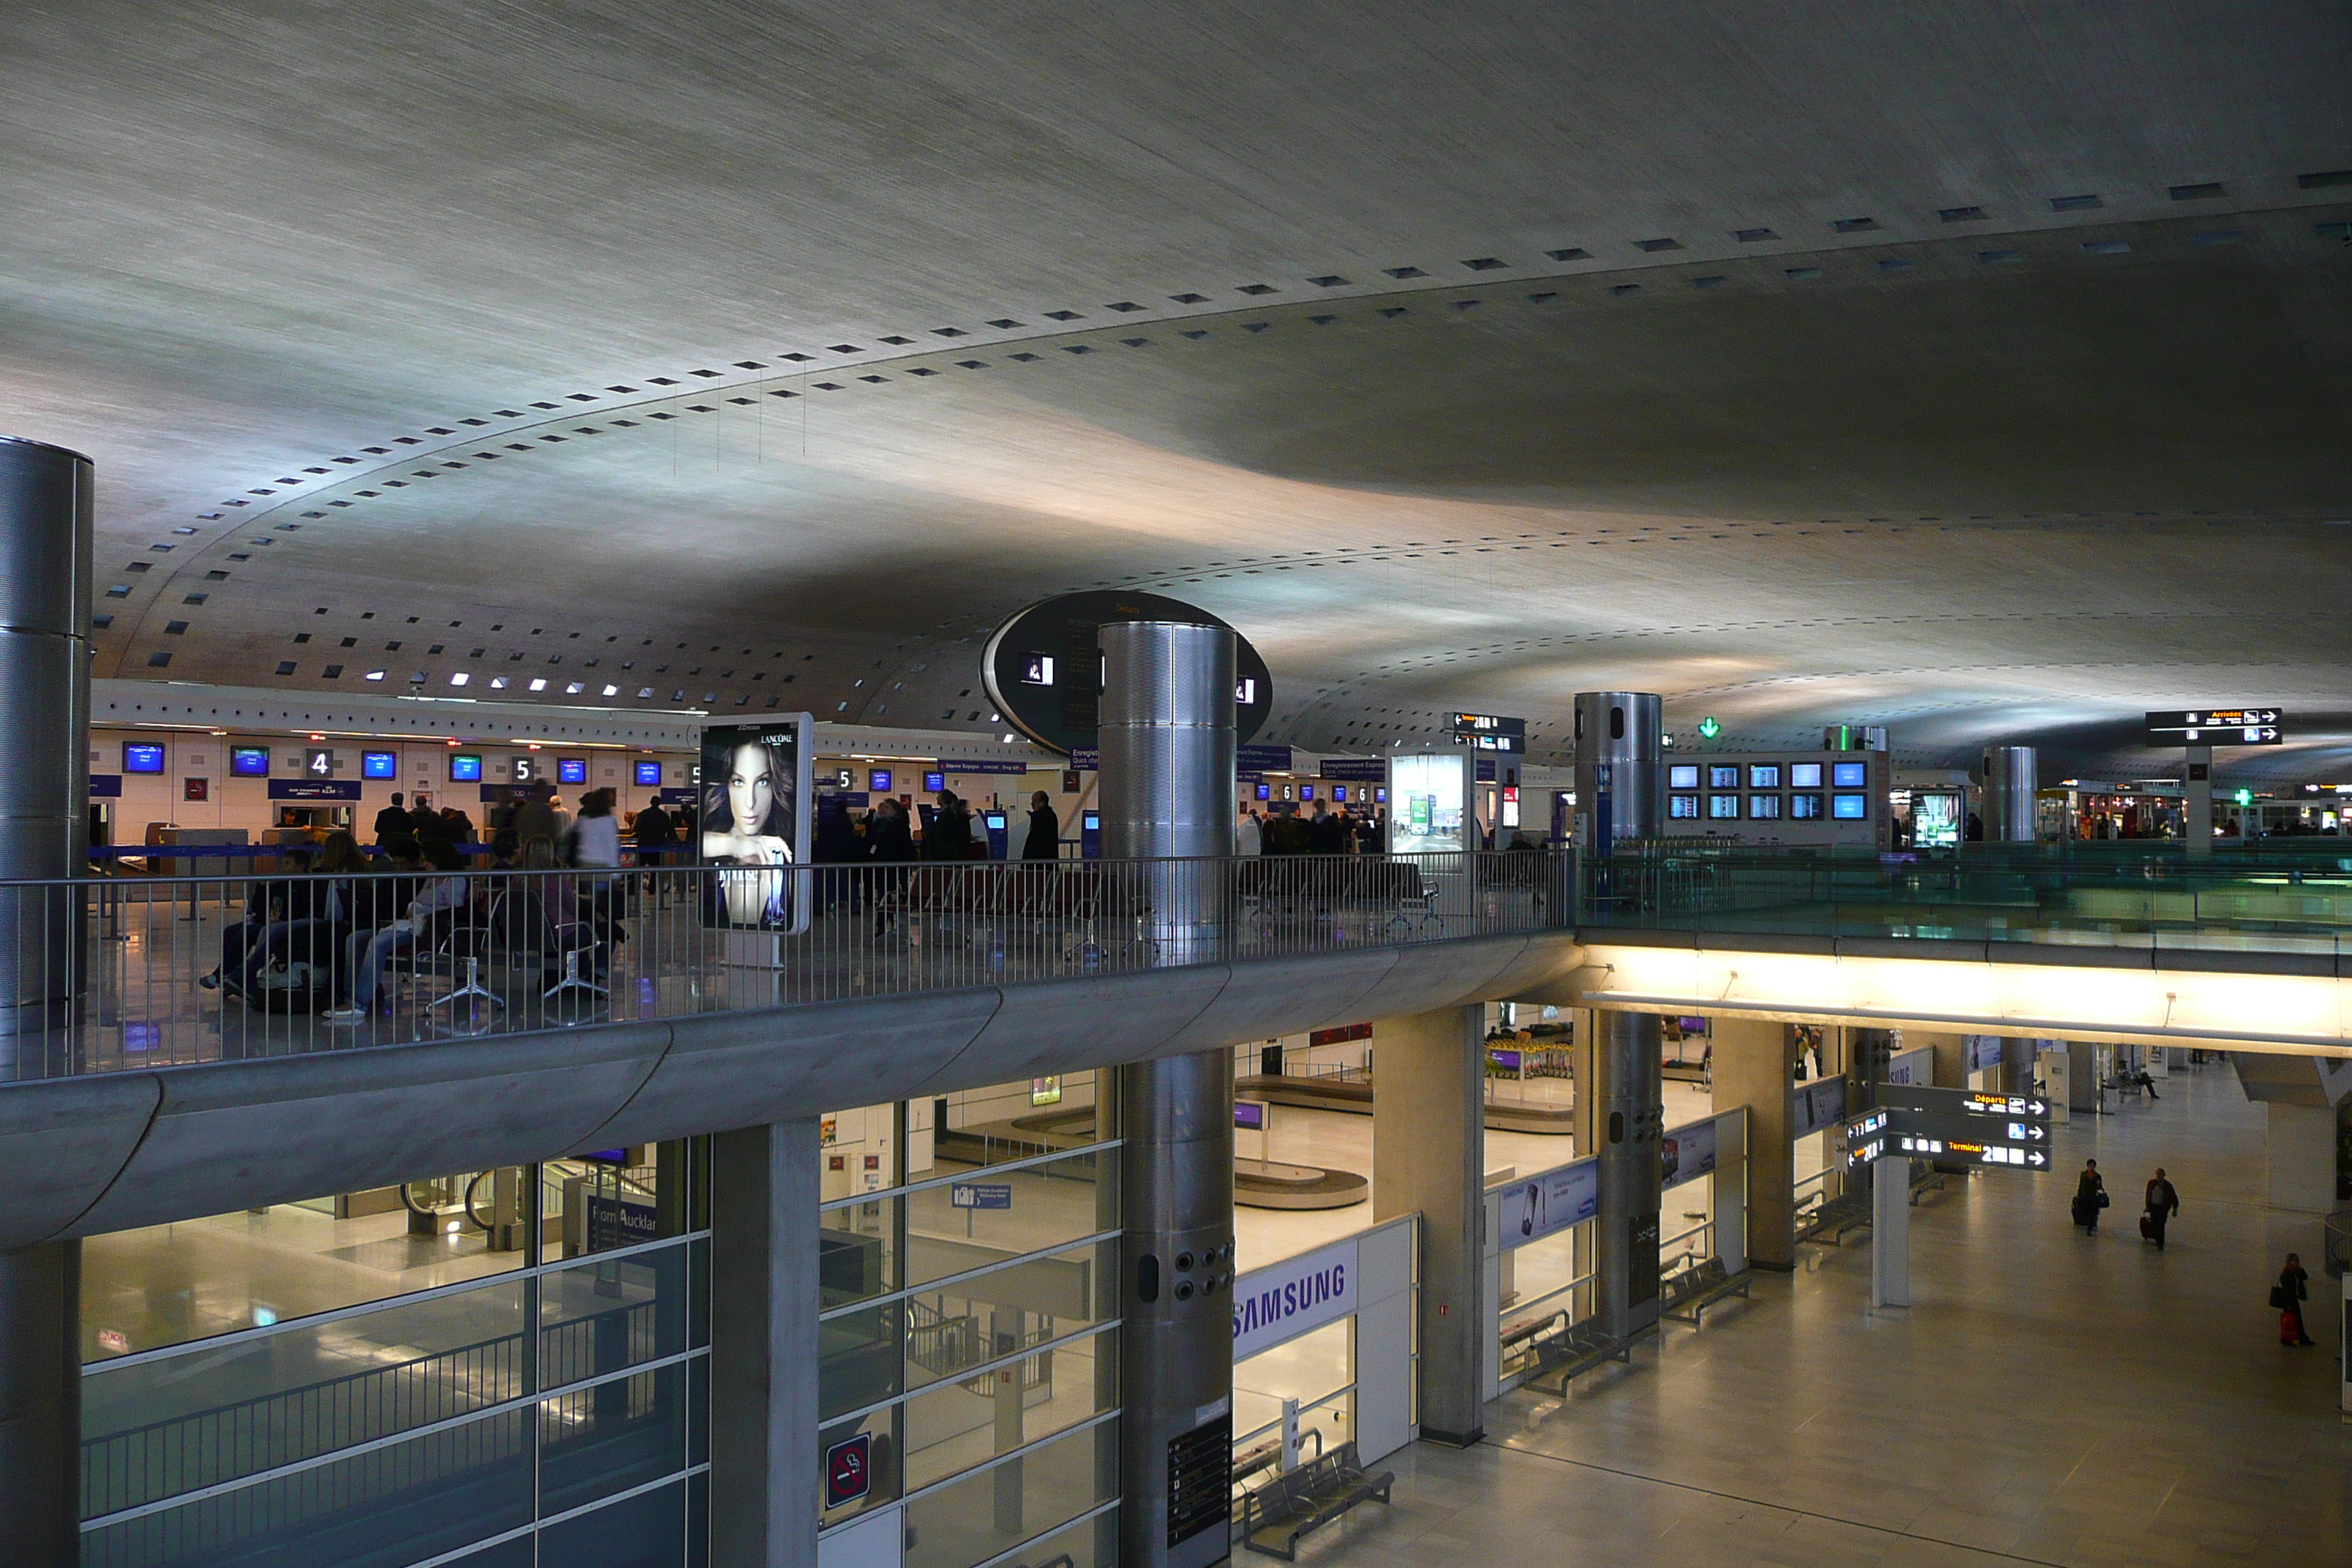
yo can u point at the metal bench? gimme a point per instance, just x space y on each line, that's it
1293 1502
1829 1222
1686 1296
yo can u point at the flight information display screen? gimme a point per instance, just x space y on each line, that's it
249 761
379 764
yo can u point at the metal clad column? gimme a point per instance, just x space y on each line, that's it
45 569
45 553
1167 755
2011 777
1620 768
765 1470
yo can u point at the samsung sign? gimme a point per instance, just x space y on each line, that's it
1281 1303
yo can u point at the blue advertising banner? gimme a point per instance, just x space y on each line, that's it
1686 1154
1540 1206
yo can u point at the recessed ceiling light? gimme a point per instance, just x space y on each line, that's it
539 683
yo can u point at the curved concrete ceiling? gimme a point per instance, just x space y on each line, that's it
1989 377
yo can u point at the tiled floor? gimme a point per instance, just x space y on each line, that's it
2050 1398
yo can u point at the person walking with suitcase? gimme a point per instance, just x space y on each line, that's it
2163 1202
2090 1197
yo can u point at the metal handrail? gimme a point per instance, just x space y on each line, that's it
101 973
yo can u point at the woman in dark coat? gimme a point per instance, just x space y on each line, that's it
2090 1197
889 844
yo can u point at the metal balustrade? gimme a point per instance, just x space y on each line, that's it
2293 897
110 973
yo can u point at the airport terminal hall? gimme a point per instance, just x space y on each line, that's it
802 784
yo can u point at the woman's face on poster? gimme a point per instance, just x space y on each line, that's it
750 789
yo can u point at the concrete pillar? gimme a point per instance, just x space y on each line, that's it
1166 735
1628 1117
2197 802
1755 1063
2081 1077
765 1470
44 587
2302 1147
40 1406
1951 1057
1429 1154
1581 1071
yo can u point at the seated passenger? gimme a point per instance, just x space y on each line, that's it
432 908
269 903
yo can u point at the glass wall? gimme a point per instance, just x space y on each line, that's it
968 1330
388 1378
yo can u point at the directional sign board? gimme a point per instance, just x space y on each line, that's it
1953 1125
980 1195
2217 727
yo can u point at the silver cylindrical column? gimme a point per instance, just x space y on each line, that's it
1619 795
1620 768
45 570
1176 1367
1166 734
2010 781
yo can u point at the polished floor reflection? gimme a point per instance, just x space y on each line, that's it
2049 1398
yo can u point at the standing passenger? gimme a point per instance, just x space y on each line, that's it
2293 1288
1248 837
1045 839
2163 1202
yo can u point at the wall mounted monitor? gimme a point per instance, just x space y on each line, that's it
379 764
1806 805
249 761
1764 807
571 770
1682 807
1763 775
1307 792
1339 793
1850 808
649 774
142 757
1723 777
1805 775
1723 807
1380 794
464 767
934 782
1849 776
1266 792
877 780
1683 775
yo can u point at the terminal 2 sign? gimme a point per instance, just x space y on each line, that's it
1953 1125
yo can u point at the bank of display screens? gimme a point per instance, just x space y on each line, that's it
755 780
1682 807
1724 807
1806 805
379 764
571 770
249 761
1849 776
1850 808
1683 775
649 774
1805 775
464 767
142 757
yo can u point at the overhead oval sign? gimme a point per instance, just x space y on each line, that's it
1043 669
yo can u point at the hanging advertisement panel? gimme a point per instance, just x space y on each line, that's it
1549 1202
756 786
1686 1154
